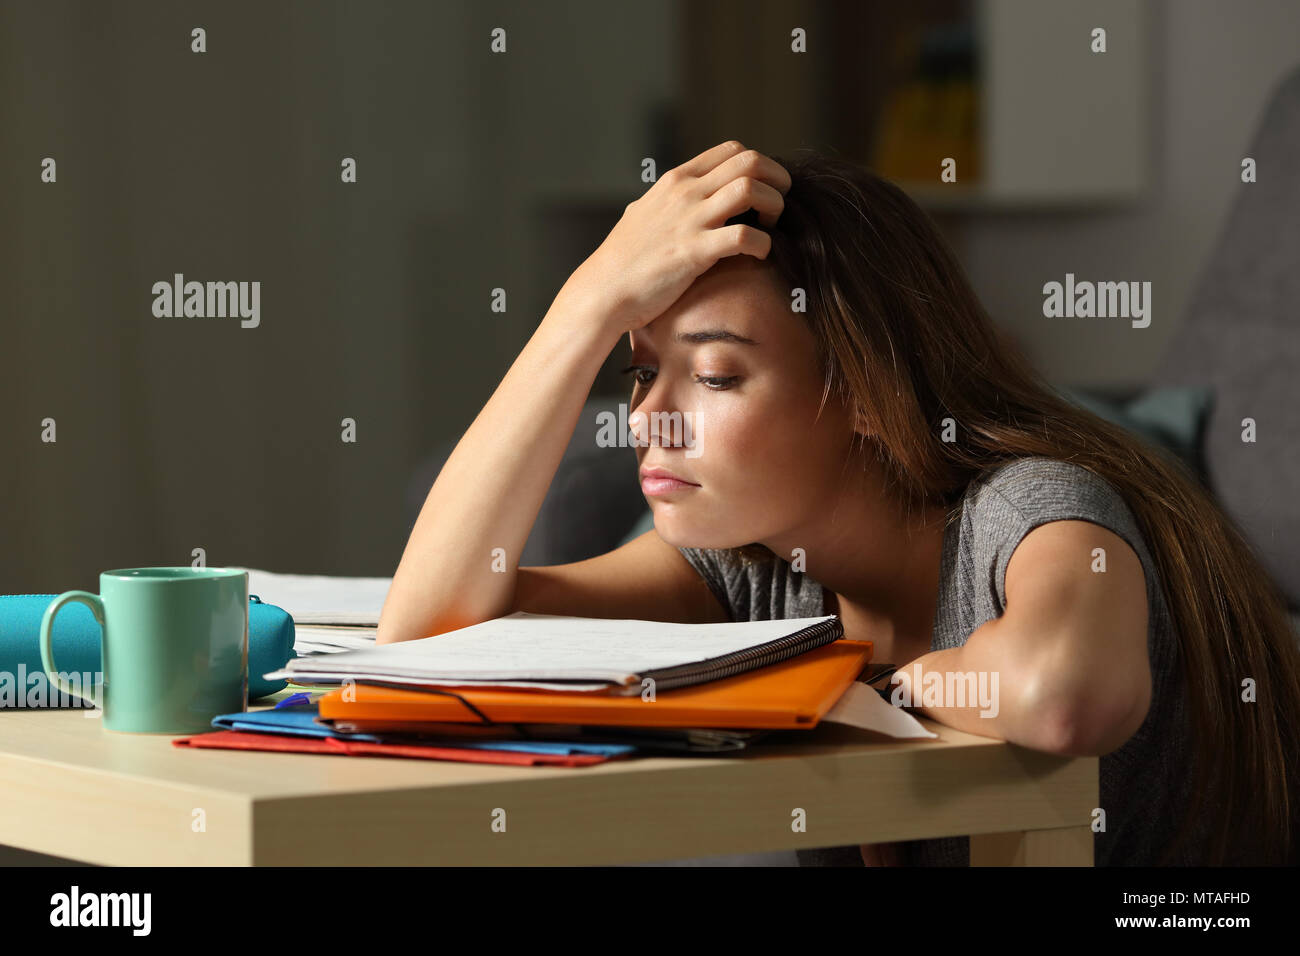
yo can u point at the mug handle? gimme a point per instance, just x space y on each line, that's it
96 606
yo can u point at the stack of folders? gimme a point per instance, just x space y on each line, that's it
555 690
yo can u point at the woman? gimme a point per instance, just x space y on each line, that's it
861 442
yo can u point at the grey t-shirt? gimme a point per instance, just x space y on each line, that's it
1142 783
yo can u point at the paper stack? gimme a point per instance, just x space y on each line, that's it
533 688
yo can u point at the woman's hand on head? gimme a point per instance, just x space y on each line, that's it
676 232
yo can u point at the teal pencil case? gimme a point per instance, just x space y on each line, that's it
76 640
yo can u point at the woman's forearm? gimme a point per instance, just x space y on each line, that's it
491 488
982 689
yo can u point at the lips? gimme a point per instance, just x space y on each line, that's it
663 473
661 481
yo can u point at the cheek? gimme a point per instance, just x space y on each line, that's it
797 455
730 435
757 449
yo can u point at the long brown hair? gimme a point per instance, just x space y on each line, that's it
902 336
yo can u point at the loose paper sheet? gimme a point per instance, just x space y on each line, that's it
322 599
864 708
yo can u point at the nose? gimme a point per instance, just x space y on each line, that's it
639 422
652 419
657 420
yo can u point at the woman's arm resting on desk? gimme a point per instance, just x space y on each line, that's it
489 491
1070 651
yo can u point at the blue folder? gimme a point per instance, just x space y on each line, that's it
300 720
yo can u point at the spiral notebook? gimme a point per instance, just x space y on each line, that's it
555 652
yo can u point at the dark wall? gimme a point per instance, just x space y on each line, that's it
181 433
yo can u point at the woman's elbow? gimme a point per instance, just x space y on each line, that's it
393 630
1081 731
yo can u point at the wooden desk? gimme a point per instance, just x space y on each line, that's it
69 788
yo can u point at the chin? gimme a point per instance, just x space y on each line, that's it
681 534
670 534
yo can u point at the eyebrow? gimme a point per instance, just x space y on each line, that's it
712 335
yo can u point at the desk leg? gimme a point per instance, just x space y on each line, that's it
1064 846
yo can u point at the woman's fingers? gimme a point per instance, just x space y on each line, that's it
677 230
746 163
735 240
742 194
710 158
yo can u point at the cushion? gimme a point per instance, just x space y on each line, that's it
1171 417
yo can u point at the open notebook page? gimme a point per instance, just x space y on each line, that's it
540 647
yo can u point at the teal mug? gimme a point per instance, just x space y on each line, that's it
175 647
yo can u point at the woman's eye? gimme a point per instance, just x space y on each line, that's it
717 383
644 375
638 369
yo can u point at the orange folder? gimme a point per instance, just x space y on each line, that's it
792 694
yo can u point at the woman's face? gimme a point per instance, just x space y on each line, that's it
738 419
